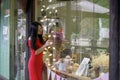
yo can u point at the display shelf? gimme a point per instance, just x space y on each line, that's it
70 76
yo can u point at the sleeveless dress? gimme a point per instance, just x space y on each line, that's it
35 62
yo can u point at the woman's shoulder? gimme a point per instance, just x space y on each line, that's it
29 41
29 38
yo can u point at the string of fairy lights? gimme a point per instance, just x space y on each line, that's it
49 13
48 16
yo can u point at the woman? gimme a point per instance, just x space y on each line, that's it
37 45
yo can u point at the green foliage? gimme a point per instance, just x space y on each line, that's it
105 22
104 3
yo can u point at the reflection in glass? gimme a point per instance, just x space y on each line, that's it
85 27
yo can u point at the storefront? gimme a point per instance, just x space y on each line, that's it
81 29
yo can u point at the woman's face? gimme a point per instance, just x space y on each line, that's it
40 30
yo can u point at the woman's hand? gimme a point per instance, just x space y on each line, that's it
48 43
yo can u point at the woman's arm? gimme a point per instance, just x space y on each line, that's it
39 50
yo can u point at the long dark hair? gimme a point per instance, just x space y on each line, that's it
34 34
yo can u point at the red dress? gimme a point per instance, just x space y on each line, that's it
35 62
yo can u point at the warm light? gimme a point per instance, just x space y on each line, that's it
51 43
49 35
49 47
42 9
44 52
56 11
54 36
47 8
45 48
50 0
50 12
52 31
50 24
45 16
44 6
54 60
47 59
54 48
49 64
42 20
71 59
45 28
54 68
52 20
50 54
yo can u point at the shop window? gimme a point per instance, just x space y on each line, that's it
80 33
20 46
4 38
12 39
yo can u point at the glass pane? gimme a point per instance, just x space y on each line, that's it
80 33
20 46
4 38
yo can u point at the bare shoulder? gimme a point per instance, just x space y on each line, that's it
29 38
